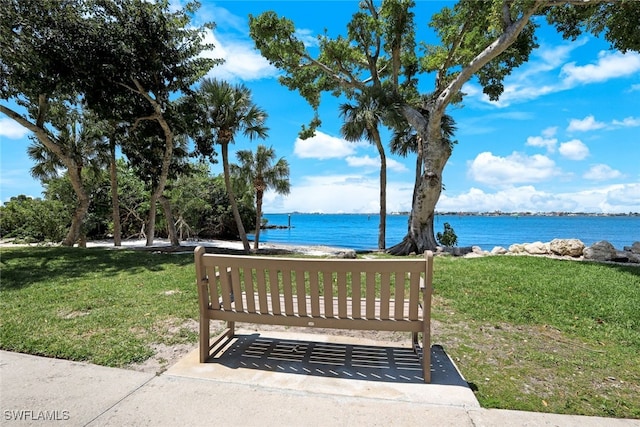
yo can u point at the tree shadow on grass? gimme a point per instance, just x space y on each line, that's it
630 268
25 266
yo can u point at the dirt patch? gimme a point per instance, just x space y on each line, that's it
167 353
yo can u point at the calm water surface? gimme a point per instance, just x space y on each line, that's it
360 232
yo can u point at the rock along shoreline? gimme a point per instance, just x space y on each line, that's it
601 251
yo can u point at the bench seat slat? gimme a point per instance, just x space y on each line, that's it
377 313
323 322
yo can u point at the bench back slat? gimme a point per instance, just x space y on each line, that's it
327 290
273 290
414 295
398 293
331 288
385 295
212 286
288 293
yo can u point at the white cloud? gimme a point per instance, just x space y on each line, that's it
374 162
323 146
554 56
574 150
339 193
586 124
627 122
622 198
634 88
538 141
601 172
364 161
306 36
619 198
550 132
608 66
395 165
513 199
537 78
11 129
241 60
516 168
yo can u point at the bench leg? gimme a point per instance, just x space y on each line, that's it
426 356
231 332
204 339
425 349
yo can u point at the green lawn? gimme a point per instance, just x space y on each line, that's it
528 333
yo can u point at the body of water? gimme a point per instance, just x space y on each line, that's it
360 232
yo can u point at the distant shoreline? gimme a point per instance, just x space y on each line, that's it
464 213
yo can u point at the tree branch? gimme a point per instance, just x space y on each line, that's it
490 52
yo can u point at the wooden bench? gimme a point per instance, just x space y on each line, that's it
361 294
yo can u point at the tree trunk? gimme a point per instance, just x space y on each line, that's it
256 241
435 153
166 158
164 173
150 229
171 225
382 227
75 229
232 198
115 201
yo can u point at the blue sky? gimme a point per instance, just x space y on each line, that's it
565 136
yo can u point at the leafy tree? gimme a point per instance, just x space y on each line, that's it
145 151
374 67
79 139
33 220
144 53
37 75
486 39
219 111
261 173
124 57
96 220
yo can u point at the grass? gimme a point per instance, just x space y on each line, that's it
102 306
541 334
528 333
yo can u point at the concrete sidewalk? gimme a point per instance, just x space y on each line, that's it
267 380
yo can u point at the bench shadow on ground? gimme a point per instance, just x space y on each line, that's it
335 360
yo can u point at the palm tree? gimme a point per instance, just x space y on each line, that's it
222 111
261 173
80 147
362 120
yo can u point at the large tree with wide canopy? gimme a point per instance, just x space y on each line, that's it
486 39
127 59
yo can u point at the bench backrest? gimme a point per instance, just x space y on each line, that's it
381 289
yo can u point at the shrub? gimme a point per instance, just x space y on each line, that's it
448 238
